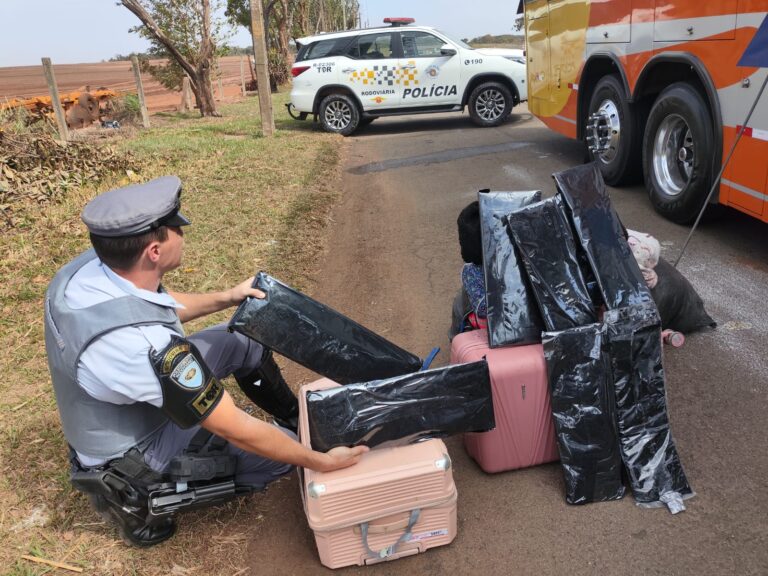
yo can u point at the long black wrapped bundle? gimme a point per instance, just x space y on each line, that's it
544 239
402 410
317 336
601 235
583 409
655 472
513 317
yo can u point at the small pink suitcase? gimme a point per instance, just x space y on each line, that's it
395 502
524 434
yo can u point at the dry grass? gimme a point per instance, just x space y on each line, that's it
256 204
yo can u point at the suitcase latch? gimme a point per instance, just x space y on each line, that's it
443 463
315 489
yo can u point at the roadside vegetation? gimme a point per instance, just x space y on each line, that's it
498 41
256 204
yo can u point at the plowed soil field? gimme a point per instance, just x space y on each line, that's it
29 81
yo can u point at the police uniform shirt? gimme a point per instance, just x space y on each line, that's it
115 367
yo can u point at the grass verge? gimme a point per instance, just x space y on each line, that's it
256 204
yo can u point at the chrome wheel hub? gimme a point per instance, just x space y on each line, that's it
604 131
673 155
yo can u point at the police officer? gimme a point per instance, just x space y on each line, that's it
127 379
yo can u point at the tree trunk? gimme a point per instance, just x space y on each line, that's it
283 34
320 24
204 94
200 76
207 55
302 12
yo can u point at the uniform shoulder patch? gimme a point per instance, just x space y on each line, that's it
190 390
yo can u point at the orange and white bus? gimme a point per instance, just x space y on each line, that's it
653 87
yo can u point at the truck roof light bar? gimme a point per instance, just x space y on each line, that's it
395 22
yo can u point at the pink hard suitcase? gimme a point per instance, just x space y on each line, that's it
524 434
395 502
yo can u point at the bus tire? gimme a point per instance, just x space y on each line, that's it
678 150
612 123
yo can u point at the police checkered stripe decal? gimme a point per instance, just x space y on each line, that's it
385 75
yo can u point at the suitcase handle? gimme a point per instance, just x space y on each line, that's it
392 548
384 528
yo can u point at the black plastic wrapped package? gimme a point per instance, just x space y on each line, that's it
601 236
583 410
513 316
544 239
655 472
399 411
317 336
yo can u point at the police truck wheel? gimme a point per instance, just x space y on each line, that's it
339 114
612 132
678 153
490 104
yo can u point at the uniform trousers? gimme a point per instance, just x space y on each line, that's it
225 353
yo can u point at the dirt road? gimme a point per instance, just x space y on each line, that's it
393 264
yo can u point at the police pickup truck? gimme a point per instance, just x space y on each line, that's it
348 79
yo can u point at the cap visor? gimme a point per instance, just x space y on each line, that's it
177 219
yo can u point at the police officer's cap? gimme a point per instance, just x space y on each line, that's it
136 209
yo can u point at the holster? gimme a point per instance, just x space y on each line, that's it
201 476
204 459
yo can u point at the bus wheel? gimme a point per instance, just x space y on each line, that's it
612 134
678 153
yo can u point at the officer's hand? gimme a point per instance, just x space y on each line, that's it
243 290
342 457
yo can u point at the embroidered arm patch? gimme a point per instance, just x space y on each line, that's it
190 391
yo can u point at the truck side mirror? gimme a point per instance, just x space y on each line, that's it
447 50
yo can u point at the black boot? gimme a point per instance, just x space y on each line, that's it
131 525
267 388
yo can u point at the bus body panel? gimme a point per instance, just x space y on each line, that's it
562 36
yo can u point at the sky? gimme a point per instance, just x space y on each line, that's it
75 31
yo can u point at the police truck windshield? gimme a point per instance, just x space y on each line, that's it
461 43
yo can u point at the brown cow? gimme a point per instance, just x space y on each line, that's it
84 112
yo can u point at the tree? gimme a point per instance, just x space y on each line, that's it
278 16
182 31
286 19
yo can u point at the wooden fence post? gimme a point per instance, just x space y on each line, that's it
140 90
262 68
242 74
186 95
61 119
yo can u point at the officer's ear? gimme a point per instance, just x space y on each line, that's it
152 250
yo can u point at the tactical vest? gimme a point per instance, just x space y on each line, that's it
94 427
